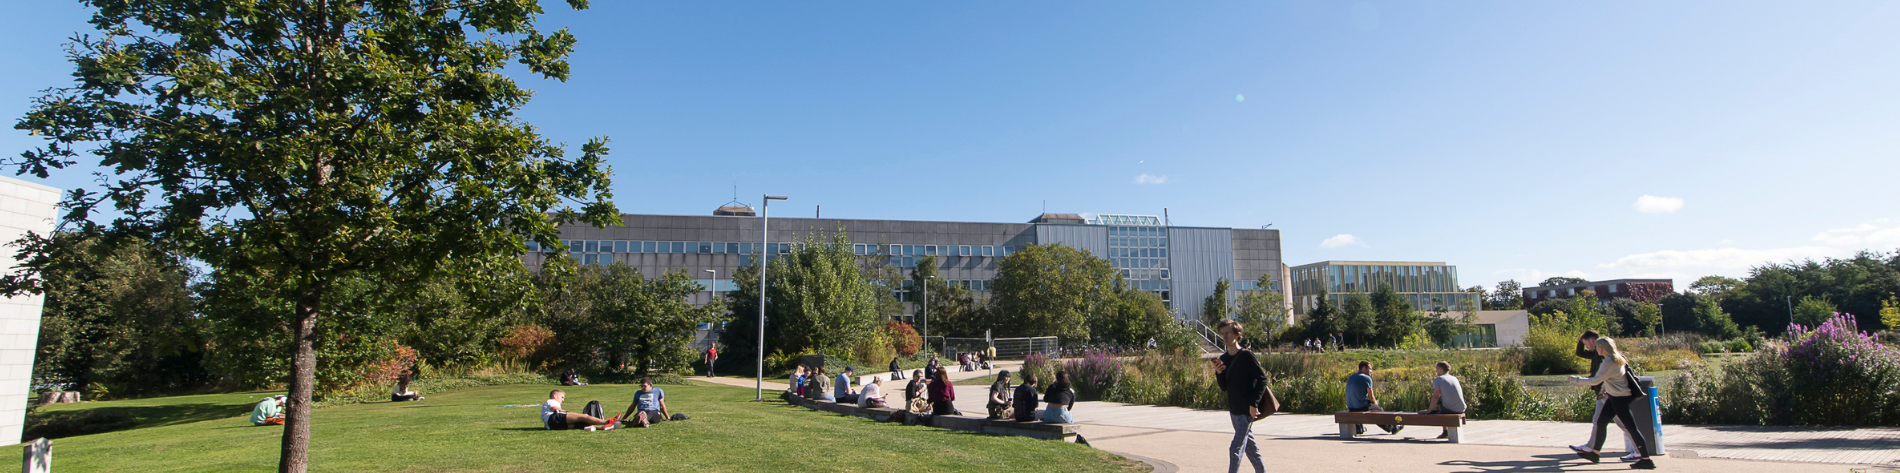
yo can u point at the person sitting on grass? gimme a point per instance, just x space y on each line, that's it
1026 399
873 393
819 387
269 411
999 397
1448 396
553 418
1360 398
402 392
649 404
569 378
843 394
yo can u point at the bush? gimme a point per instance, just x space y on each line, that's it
1711 346
1828 375
904 339
1740 346
1095 375
1552 350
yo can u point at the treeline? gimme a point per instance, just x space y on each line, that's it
121 319
821 298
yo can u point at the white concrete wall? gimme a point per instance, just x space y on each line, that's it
24 206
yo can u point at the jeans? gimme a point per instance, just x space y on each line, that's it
1057 415
1617 408
1629 446
1243 442
1361 429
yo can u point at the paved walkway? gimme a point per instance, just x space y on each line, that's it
1180 439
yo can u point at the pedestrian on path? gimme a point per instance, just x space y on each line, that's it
1239 375
1587 349
712 356
1613 375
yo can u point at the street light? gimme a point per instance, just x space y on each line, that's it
926 307
765 254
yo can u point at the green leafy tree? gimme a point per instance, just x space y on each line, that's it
1648 317
1561 280
117 318
1051 289
647 320
1811 311
1134 318
1624 312
1214 307
1396 318
1712 321
1509 295
1322 319
310 142
1890 312
817 299
1715 287
1855 285
1359 320
1468 323
1262 312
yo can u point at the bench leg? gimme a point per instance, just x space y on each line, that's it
1451 434
1346 431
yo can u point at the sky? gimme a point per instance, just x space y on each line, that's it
1515 140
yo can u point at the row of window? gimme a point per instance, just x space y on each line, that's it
1568 292
1139 263
1143 242
703 247
1137 252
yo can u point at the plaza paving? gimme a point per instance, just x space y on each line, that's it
1180 439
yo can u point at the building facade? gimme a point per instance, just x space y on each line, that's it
1427 285
1641 290
24 207
1180 264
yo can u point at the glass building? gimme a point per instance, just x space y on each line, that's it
1427 286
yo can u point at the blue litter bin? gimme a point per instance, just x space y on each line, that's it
1650 415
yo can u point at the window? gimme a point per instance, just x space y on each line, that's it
986 250
910 261
1009 250
620 246
1612 288
534 247
930 250
963 251
857 248
591 246
587 259
646 247
679 247
606 259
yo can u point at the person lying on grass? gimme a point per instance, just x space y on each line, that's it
270 411
649 404
554 418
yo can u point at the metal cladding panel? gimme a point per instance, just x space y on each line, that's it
1198 257
1090 238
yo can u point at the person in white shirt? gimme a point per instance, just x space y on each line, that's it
554 418
873 394
402 391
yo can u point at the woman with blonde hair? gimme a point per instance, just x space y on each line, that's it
1614 376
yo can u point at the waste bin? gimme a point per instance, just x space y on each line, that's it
1648 413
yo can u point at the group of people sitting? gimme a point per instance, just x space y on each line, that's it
932 393
648 408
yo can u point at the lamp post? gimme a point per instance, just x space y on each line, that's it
712 283
926 304
765 255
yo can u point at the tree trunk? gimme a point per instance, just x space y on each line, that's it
295 455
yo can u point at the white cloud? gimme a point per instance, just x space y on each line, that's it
1873 236
1650 204
1343 239
1152 179
1882 234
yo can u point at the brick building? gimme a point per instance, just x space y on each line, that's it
1640 290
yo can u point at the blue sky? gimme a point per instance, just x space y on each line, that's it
1512 139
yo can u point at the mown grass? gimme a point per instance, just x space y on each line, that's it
469 430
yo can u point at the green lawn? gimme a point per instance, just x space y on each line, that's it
469 430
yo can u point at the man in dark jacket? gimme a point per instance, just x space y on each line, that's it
1240 376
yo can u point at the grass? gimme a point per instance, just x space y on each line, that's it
148 412
469 430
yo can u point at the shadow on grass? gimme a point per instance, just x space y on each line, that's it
68 423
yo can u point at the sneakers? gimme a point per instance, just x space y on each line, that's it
1446 435
1631 457
1395 429
1643 464
1586 454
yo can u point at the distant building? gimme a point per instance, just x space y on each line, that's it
1640 290
1426 285
1496 328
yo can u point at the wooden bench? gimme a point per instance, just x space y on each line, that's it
1347 420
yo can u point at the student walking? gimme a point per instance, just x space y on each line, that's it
1587 349
1239 375
1617 383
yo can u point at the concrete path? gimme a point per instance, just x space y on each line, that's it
1180 439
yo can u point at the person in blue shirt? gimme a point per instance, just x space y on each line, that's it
843 392
1360 397
649 405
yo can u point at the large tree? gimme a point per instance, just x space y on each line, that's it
1262 312
817 298
1214 307
307 142
1397 318
1561 280
1358 319
118 318
647 319
1051 289
1509 295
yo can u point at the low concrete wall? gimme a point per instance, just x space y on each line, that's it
1037 430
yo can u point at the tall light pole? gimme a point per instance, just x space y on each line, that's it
926 304
765 254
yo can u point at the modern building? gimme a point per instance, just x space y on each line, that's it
1496 328
1426 285
1180 264
1641 290
24 207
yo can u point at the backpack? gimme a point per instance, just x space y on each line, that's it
593 409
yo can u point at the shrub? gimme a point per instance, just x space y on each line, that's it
1551 350
1740 346
1095 375
904 339
1828 375
522 342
